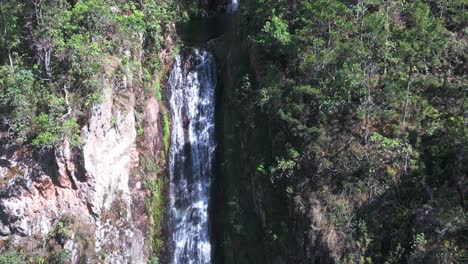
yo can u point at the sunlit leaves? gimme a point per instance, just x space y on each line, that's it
277 28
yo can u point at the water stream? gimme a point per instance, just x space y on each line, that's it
233 6
192 87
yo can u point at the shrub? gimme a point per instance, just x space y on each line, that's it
167 132
12 258
155 209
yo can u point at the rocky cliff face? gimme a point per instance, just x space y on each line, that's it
83 191
87 200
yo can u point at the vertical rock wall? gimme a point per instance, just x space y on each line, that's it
84 199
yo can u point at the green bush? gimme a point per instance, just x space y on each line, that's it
167 132
59 257
155 209
12 258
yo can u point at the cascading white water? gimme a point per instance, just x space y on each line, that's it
192 86
233 6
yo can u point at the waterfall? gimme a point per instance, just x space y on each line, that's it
233 6
191 84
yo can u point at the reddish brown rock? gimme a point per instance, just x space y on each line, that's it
151 130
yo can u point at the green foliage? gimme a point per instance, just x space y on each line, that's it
154 260
11 26
395 255
155 209
18 95
158 91
158 15
60 257
285 168
20 92
41 88
277 29
140 132
418 248
359 90
51 132
155 203
47 131
12 258
175 52
133 21
166 132
190 9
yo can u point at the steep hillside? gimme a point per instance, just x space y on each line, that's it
344 133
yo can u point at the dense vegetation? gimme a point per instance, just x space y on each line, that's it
54 53
350 124
360 127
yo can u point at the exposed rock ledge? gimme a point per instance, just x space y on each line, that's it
82 190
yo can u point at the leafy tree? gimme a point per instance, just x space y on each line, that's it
371 97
